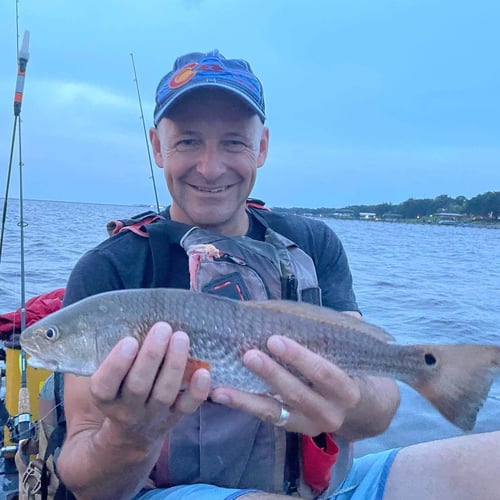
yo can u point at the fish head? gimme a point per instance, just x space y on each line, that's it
56 343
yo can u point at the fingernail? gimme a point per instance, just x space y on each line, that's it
203 382
128 347
253 360
221 398
160 334
276 345
179 342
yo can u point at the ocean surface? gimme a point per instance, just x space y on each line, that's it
421 283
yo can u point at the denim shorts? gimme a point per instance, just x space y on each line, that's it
365 481
192 492
367 478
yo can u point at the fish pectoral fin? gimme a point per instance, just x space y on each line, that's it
323 314
191 366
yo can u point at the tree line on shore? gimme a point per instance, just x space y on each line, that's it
484 206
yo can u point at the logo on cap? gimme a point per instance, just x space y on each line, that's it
188 72
183 76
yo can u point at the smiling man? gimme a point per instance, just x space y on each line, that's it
134 431
209 148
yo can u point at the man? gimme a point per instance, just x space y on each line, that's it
131 423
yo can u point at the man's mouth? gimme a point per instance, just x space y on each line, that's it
218 189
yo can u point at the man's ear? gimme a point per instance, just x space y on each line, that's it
263 147
156 145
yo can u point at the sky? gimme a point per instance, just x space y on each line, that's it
368 101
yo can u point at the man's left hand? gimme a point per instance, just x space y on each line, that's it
320 402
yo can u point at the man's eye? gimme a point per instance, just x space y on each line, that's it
187 145
234 146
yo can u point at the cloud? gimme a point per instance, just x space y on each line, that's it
78 112
72 93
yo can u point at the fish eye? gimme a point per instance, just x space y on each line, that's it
52 333
430 359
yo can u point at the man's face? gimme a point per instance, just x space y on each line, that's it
210 147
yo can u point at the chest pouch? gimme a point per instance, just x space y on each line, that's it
242 268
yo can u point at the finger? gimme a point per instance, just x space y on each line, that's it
295 392
311 412
270 409
141 376
169 379
265 407
326 378
281 381
105 383
194 395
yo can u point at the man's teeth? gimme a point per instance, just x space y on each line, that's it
211 190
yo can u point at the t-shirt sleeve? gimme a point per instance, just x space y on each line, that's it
123 261
92 274
323 245
334 275
332 265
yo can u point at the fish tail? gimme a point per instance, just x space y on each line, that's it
457 379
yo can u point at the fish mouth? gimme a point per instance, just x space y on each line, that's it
47 364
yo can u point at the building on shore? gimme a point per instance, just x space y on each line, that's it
368 216
450 218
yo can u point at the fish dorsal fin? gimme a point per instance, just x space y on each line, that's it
322 314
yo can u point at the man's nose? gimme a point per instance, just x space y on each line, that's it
210 162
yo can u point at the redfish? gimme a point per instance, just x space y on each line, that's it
455 378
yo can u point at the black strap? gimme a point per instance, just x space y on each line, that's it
162 234
59 397
54 442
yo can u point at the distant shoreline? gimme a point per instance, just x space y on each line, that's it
427 221
482 210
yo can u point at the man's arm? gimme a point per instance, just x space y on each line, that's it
378 396
117 419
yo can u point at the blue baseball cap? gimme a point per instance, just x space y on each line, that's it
212 70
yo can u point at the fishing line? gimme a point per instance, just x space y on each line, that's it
49 413
6 197
145 135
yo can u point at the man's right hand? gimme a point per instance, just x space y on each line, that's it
139 390
117 419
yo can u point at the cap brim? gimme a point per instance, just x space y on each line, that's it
161 113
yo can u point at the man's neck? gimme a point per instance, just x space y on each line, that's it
236 227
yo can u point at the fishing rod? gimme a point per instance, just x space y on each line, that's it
20 425
24 414
145 135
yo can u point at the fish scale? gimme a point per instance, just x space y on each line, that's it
455 378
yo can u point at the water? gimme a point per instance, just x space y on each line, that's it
56 235
426 283
421 283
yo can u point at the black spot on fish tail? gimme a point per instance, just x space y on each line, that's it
430 359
